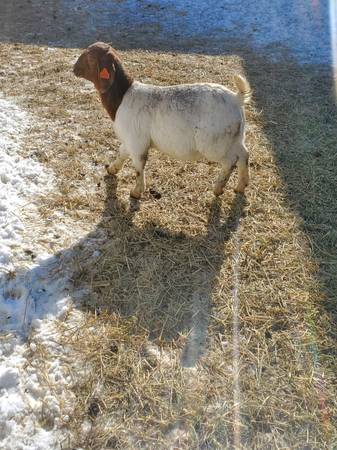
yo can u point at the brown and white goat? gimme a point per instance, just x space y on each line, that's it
187 121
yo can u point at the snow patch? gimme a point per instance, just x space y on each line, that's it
35 401
21 179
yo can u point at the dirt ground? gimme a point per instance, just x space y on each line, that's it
209 323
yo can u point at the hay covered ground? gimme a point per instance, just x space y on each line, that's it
207 323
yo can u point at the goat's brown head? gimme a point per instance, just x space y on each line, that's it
98 64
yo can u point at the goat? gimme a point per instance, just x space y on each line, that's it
186 121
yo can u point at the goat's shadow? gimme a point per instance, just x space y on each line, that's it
161 278
164 280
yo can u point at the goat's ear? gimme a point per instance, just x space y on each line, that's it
105 73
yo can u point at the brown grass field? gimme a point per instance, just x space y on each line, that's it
209 323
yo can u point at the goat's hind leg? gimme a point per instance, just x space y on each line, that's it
243 170
226 170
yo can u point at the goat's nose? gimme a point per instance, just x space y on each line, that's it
75 70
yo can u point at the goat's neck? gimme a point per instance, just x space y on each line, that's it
112 98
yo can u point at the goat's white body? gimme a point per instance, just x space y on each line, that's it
187 122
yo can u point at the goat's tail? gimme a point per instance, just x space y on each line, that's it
245 92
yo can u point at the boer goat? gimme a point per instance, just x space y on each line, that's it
187 121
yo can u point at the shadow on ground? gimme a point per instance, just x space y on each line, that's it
299 117
188 26
163 25
163 279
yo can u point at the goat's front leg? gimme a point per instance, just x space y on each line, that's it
139 162
116 166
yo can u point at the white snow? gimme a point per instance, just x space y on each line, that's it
34 403
20 178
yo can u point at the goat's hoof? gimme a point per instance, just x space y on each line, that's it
240 189
135 194
218 191
111 169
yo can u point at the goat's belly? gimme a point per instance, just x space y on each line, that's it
184 137
176 145
188 148
181 154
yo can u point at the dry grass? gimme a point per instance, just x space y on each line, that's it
162 293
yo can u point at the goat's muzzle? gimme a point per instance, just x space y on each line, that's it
76 70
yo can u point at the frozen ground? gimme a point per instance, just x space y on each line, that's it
23 297
301 29
29 298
